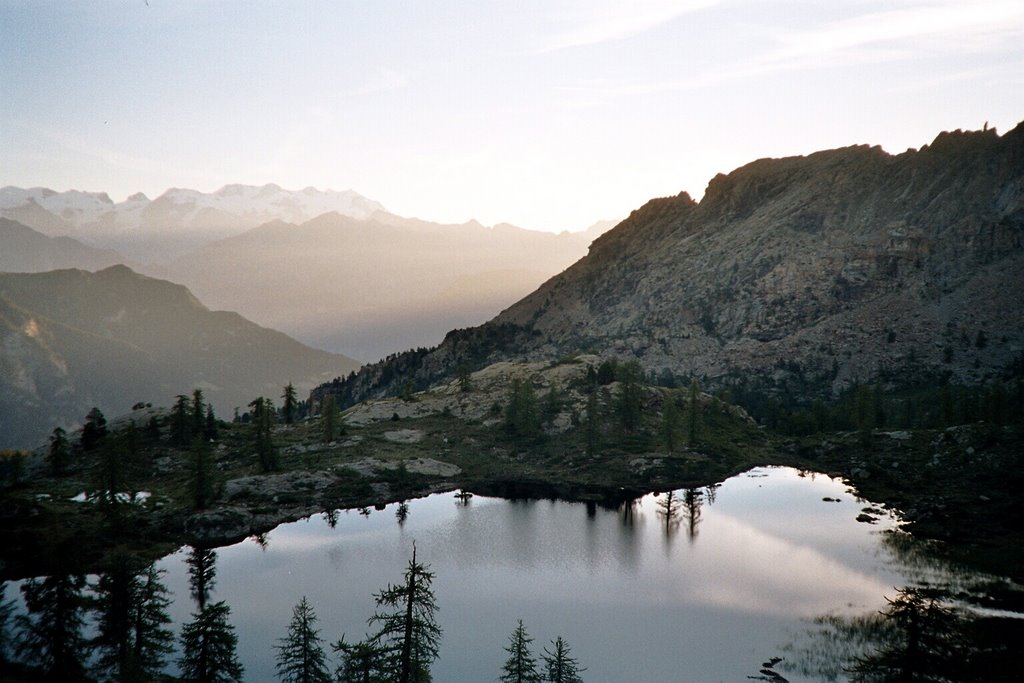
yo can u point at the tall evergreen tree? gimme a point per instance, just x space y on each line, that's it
522 417
520 667
559 665
290 404
181 423
300 657
592 424
209 645
407 632
59 455
198 413
329 418
94 430
202 473
211 432
263 440
51 628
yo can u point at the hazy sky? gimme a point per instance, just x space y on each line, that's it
546 114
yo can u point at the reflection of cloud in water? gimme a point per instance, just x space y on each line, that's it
749 570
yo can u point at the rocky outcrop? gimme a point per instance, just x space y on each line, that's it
801 275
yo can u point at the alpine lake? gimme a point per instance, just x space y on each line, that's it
774 574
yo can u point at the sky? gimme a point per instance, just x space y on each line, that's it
548 114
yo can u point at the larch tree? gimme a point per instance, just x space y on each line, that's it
290 404
559 665
300 655
521 666
407 630
209 645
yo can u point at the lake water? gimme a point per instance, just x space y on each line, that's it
707 596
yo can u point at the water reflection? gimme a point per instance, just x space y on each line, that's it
766 555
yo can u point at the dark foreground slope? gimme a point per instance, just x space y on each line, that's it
801 276
70 340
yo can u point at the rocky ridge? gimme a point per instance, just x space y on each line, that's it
801 275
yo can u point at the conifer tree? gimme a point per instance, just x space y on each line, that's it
181 423
152 640
592 424
520 667
209 645
211 432
202 474
300 657
361 662
198 413
262 419
60 452
408 634
522 418
560 666
629 402
329 418
94 430
290 404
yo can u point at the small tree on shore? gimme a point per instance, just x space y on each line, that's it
290 404
60 452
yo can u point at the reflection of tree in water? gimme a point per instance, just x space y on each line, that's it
51 630
208 641
627 510
668 508
920 636
331 517
202 573
402 513
693 499
132 639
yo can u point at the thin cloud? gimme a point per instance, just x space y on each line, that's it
879 37
383 80
617 21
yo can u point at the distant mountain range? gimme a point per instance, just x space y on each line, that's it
175 222
332 269
794 277
72 340
375 286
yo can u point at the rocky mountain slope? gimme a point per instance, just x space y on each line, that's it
797 276
372 287
70 340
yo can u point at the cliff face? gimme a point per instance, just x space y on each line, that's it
805 274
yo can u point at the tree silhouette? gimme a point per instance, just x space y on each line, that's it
560 666
520 667
361 662
300 657
290 404
407 633
693 414
202 473
329 418
94 430
208 645
181 423
59 455
198 413
263 419
132 639
51 629
202 573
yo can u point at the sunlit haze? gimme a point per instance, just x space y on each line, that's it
548 115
